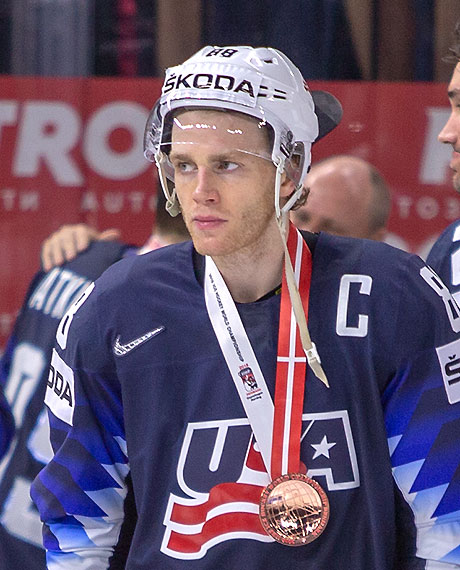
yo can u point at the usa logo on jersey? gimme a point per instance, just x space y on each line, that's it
221 476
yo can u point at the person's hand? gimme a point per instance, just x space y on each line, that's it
65 243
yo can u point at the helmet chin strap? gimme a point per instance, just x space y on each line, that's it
172 203
281 213
280 168
293 199
282 218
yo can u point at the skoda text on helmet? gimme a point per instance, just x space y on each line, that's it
259 82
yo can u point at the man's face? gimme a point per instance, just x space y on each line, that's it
334 205
450 134
226 194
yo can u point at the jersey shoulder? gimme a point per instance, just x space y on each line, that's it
441 254
157 268
361 255
404 297
161 279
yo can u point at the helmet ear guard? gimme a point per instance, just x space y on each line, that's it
295 161
154 153
153 133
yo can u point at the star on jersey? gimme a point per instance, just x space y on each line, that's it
322 448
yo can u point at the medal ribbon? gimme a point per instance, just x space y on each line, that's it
291 364
277 428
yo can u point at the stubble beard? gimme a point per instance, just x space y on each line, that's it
243 242
456 182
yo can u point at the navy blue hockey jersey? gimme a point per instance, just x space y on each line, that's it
444 258
6 423
23 375
143 408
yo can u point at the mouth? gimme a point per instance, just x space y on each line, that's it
454 163
208 222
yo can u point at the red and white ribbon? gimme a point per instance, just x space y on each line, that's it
277 427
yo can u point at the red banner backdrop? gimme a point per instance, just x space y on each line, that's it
71 151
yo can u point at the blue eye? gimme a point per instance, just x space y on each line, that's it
183 166
227 165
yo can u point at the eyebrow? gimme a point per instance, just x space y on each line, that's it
177 156
223 156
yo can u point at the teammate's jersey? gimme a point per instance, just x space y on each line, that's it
23 374
444 258
143 404
6 423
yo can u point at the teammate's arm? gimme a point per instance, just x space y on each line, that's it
69 240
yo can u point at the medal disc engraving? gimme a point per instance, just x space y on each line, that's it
294 509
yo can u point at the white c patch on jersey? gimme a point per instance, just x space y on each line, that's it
449 359
360 328
60 390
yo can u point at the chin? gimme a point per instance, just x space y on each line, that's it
212 249
456 182
205 247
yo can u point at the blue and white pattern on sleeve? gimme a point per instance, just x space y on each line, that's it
81 493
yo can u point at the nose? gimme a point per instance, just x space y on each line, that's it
205 189
451 131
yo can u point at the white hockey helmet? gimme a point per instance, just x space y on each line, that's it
260 82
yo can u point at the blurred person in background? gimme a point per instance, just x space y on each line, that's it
24 372
348 197
444 256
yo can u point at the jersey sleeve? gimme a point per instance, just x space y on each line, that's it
422 414
80 493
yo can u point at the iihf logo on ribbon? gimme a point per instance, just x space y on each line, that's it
250 383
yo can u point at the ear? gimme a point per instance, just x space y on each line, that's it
287 186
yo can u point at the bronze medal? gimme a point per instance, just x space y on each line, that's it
294 509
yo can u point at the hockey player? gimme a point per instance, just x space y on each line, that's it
185 386
444 256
